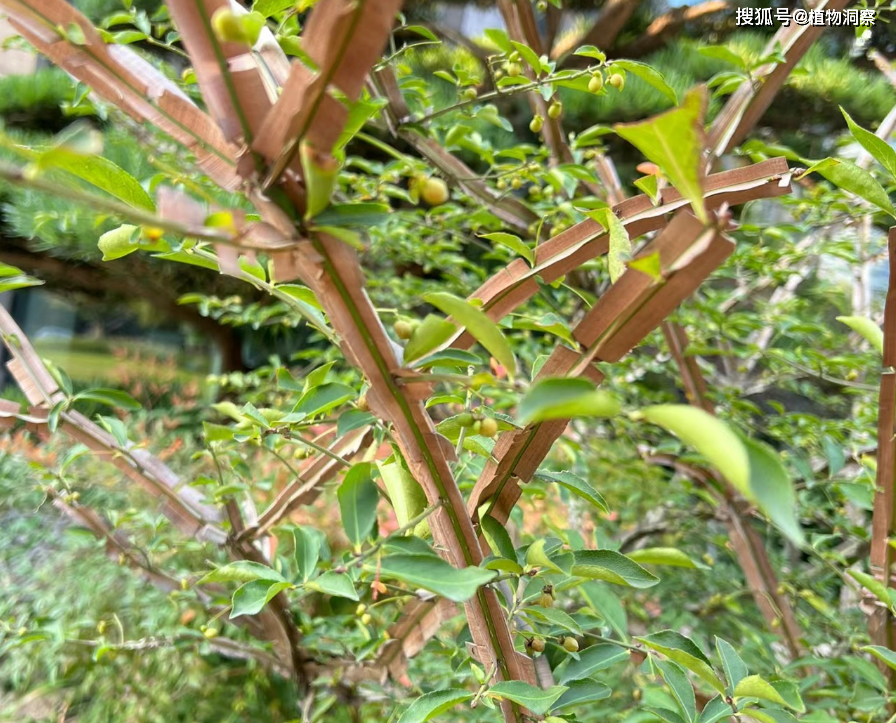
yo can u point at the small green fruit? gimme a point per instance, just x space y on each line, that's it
536 645
363 405
210 632
617 81
434 191
469 94
541 5
570 645
465 420
536 124
514 70
366 619
361 609
488 427
555 109
596 83
403 329
228 28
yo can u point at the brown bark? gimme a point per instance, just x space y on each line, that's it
667 26
883 526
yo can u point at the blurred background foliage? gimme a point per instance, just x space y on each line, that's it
810 390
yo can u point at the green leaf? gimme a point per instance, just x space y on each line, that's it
716 710
582 692
537 700
605 602
590 51
497 538
271 7
620 244
12 278
577 486
432 573
753 686
555 617
681 688
119 242
674 141
529 55
650 186
790 692
591 660
770 715
664 556
323 398
537 557
565 398
873 585
867 328
879 149
429 705
649 75
773 489
358 497
405 493
334 583
612 567
242 571
353 214
708 435
858 181
432 332
884 655
307 552
353 419
483 329
664 714
98 172
735 668
684 652
514 243
723 52
251 598
109 397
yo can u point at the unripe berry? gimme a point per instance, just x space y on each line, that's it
153 233
516 182
536 124
570 645
514 69
434 191
555 109
617 81
403 329
488 427
541 5
210 632
361 609
469 94
363 405
596 83
546 600
501 184
536 645
228 27
366 619
465 419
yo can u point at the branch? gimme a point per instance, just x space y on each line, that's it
661 30
603 33
882 626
